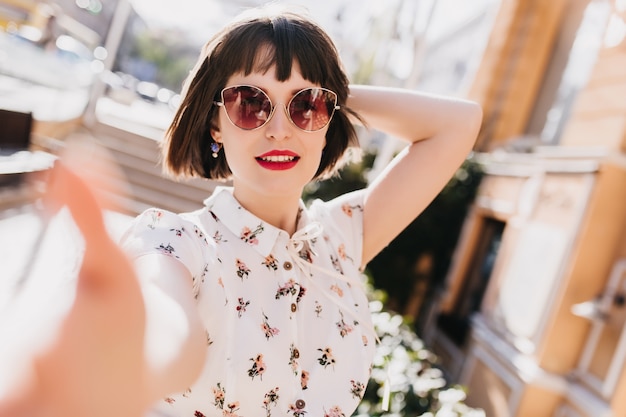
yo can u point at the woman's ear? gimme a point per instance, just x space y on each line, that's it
215 132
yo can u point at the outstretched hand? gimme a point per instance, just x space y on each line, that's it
94 365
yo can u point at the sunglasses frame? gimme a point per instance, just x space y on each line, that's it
273 106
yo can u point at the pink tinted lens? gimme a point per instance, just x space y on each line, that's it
247 107
311 109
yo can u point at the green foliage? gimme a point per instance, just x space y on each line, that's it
172 57
417 385
434 234
350 178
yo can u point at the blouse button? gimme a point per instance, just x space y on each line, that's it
287 265
293 307
296 353
300 404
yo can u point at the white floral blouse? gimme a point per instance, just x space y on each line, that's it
288 326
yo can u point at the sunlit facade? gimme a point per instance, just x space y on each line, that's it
532 316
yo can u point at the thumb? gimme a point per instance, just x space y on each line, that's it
66 188
104 264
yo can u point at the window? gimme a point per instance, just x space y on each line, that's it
604 356
456 323
573 59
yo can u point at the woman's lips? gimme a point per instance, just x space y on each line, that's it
278 160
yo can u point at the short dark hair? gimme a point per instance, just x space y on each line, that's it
257 40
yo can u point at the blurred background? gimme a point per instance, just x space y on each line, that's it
506 295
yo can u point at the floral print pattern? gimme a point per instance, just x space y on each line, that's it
357 389
166 249
258 367
232 408
267 314
241 306
294 354
270 262
270 400
343 327
318 309
290 288
349 210
242 270
326 358
250 236
268 330
297 412
334 412
304 380
155 217
219 394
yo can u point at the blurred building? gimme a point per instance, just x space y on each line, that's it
533 314
85 20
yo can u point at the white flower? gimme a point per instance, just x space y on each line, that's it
452 396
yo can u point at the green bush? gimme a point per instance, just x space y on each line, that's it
417 384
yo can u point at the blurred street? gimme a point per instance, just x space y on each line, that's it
45 102
57 92
514 276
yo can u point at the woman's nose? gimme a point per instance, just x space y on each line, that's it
279 126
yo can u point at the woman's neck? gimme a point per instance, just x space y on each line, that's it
278 210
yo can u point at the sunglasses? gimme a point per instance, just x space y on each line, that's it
249 107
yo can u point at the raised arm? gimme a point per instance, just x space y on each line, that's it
441 132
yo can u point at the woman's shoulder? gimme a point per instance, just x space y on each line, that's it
177 235
346 207
159 220
342 221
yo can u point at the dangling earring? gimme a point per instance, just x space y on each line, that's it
215 149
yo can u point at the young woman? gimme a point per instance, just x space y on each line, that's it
253 304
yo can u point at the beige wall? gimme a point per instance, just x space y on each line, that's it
590 265
599 115
537 402
494 395
513 66
588 208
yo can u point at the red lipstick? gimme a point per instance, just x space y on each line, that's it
278 160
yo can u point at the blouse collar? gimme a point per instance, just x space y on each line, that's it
257 233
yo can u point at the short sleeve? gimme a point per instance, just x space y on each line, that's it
163 232
342 219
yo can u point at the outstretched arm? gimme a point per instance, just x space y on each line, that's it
441 132
122 345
